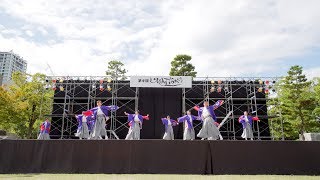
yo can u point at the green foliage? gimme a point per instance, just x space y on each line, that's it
275 119
116 70
294 106
316 111
6 109
180 66
24 103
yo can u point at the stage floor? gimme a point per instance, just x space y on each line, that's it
160 157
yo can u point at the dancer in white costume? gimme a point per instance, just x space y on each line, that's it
209 129
44 130
246 122
168 123
188 119
101 115
135 123
84 120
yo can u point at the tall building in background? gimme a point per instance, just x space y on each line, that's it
0 79
9 63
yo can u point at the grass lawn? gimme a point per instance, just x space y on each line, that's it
150 176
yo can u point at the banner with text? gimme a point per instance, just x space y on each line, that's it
161 81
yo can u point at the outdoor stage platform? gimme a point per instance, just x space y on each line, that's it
160 157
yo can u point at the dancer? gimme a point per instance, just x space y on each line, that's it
84 123
209 129
100 115
44 130
168 123
135 123
246 122
188 133
90 123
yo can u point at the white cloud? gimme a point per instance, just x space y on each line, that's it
29 33
10 32
225 38
229 38
313 72
80 37
42 30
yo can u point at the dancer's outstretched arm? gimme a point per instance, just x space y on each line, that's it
217 104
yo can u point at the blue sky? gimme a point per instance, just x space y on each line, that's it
224 38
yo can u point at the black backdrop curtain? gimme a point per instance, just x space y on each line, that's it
158 103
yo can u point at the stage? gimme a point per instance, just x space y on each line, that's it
160 157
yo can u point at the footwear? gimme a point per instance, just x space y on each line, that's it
221 138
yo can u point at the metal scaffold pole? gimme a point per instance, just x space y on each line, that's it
136 99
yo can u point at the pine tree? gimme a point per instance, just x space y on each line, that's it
180 66
296 103
116 70
316 111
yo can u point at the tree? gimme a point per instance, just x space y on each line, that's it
116 70
6 109
180 66
275 119
25 102
296 102
316 111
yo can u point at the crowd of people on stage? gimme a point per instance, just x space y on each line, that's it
92 124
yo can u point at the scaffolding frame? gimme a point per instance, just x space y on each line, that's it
66 100
229 86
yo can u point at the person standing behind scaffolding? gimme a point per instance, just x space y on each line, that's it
209 129
100 115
